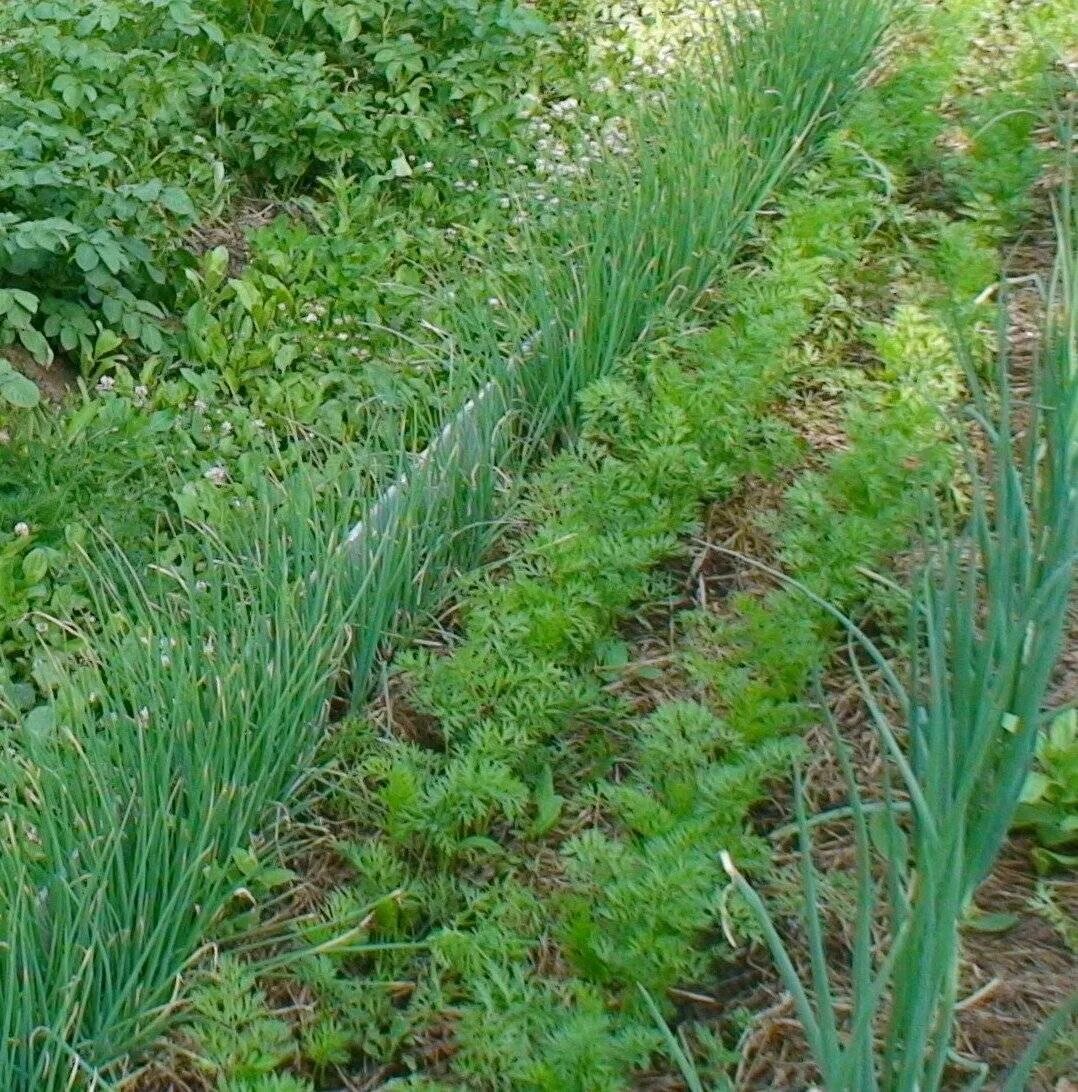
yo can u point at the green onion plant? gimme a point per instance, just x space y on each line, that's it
986 629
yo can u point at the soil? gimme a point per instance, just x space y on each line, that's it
55 381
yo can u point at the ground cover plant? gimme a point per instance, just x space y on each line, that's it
121 116
265 333
203 687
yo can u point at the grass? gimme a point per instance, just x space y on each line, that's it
205 693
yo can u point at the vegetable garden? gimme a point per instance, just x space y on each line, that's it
536 545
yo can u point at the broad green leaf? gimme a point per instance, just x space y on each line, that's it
86 257
40 720
176 200
16 389
35 344
35 565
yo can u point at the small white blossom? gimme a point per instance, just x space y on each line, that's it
106 383
218 475
22 529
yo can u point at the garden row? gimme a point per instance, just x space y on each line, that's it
134 793
533 811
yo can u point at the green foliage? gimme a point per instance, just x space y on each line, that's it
206 682
200 696
531 815
123 118
236 1036
1049 803
985 633
15 389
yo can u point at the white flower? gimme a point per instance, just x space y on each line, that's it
106 383
22 529
199 405
140 394
494 302
310 317
473 163
218 475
